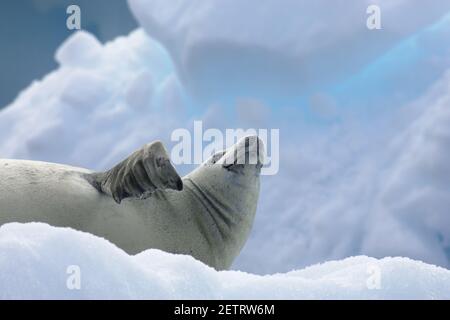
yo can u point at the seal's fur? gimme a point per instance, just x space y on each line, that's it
141 203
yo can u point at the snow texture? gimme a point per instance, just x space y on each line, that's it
38 261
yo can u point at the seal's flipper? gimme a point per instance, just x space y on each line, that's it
142 173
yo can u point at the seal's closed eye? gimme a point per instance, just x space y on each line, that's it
138 176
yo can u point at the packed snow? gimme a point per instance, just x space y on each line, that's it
38 261
376 188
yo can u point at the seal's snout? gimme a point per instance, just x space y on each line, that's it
253 149
247 151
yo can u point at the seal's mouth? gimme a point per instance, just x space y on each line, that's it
248 151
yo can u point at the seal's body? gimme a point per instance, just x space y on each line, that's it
142 203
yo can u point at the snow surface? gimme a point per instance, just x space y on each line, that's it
37 261
377 188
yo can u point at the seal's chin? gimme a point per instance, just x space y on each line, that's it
248 152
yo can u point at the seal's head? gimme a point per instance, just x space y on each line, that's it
227 186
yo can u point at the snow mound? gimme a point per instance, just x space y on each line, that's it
40 261
256 47
101 103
